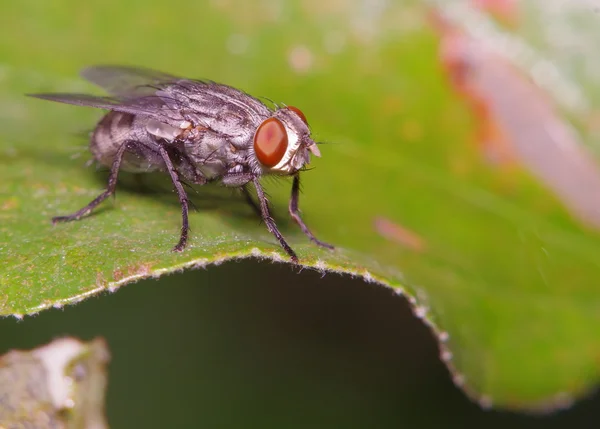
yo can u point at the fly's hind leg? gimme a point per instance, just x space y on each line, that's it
110 189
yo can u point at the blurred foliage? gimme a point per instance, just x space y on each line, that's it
60 385
501 268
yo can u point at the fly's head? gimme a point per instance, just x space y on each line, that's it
282 143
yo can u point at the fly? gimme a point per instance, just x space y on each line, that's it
194 130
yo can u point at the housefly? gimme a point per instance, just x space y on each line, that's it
197 131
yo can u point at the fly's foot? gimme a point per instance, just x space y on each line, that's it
180 247
322 244
59 219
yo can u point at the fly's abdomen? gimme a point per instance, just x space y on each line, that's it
114 130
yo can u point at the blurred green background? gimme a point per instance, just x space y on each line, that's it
249 344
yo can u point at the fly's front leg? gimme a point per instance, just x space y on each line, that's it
183 200
110 189
271 226
294 212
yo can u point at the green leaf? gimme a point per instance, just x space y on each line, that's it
493 261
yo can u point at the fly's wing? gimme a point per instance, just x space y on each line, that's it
84 100
131 82
132 90
151 106
168 99
128 82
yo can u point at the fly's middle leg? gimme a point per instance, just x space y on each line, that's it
183 200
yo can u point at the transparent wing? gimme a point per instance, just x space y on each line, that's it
152 106
167 98
132 86
128 82
80 99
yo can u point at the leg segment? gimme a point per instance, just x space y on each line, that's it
110 189
183 200
271 226
112 184
296 215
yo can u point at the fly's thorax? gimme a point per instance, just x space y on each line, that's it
211 152
282 143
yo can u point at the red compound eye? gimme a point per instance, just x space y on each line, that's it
270 142
299 113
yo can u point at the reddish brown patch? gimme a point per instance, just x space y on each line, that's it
456 50
192 132
118 275
399 234
132 271
138 270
